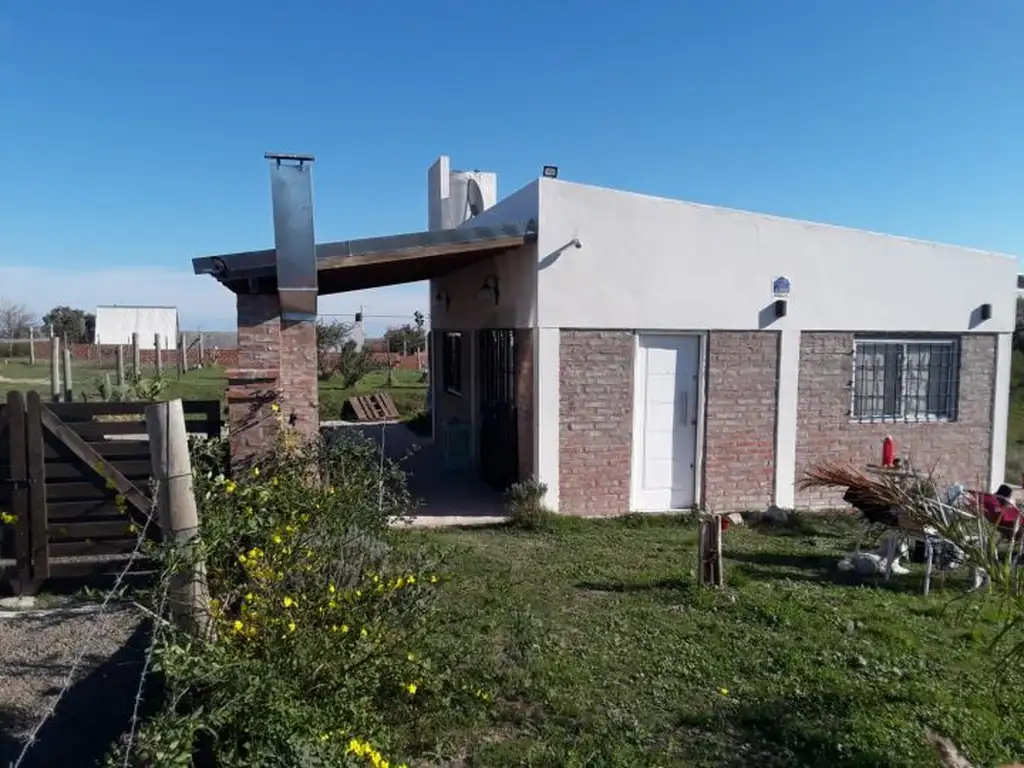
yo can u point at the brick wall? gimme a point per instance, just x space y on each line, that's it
108 353
254 386
298 385
596 422
960 451
740 407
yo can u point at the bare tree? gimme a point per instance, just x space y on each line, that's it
15 322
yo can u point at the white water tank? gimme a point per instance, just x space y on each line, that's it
447 196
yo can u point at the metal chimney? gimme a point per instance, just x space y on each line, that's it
291 191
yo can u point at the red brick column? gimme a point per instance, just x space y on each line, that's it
299 393
276 367
254 386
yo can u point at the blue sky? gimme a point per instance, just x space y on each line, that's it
132 134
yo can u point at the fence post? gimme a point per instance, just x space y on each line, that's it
31 346
136 357
188 594
202 350
69 395
55 368
158 359
709 547
120 365
182 355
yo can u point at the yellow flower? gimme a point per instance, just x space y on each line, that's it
325 737
411 579
724 691
241 559
330 588
230 486
255 471
287 602
275 407
291 626
277 538
411 688
7 518
250 597
344 628
363 632
411 656
433 579
238 625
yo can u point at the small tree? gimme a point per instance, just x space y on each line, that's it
338 354
409 338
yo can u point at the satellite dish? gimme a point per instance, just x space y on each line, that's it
474 197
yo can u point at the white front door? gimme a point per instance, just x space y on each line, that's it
665 423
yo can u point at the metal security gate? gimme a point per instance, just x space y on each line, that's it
496 382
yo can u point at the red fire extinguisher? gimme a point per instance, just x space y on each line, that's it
888 451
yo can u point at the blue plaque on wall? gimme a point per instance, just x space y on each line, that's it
780 287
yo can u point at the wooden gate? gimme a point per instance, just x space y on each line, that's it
74 485
499 431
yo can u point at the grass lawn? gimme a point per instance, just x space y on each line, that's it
601 651
407 390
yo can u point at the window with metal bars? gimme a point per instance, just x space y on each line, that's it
451 362
905 380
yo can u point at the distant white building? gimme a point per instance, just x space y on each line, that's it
116 324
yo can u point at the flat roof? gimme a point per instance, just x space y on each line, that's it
372 262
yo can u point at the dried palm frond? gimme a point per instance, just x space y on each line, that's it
877 498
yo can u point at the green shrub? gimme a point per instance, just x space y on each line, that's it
318 623
525 503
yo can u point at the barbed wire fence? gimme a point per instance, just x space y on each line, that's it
79 657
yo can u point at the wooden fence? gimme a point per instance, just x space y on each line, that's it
75 478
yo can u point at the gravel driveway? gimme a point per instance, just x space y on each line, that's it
37 650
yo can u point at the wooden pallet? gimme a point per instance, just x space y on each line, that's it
376 407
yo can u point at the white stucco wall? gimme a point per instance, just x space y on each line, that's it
647 263
652 263
115 325
516 272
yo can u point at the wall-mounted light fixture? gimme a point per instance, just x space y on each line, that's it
491 288
986 312
780 308
443 297
550 172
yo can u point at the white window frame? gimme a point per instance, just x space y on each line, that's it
900 416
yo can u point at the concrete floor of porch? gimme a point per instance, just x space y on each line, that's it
441 497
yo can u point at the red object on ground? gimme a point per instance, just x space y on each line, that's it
725 523
888 451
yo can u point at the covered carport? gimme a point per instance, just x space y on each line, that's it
277 291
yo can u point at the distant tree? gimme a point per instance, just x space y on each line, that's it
409 338
15 322
77 325
338 355
1018 331
15 319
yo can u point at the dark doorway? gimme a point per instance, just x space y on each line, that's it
496 382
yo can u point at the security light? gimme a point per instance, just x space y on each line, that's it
550 171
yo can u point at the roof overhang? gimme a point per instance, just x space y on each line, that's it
354 265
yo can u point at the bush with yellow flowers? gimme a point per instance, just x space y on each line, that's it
315 621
